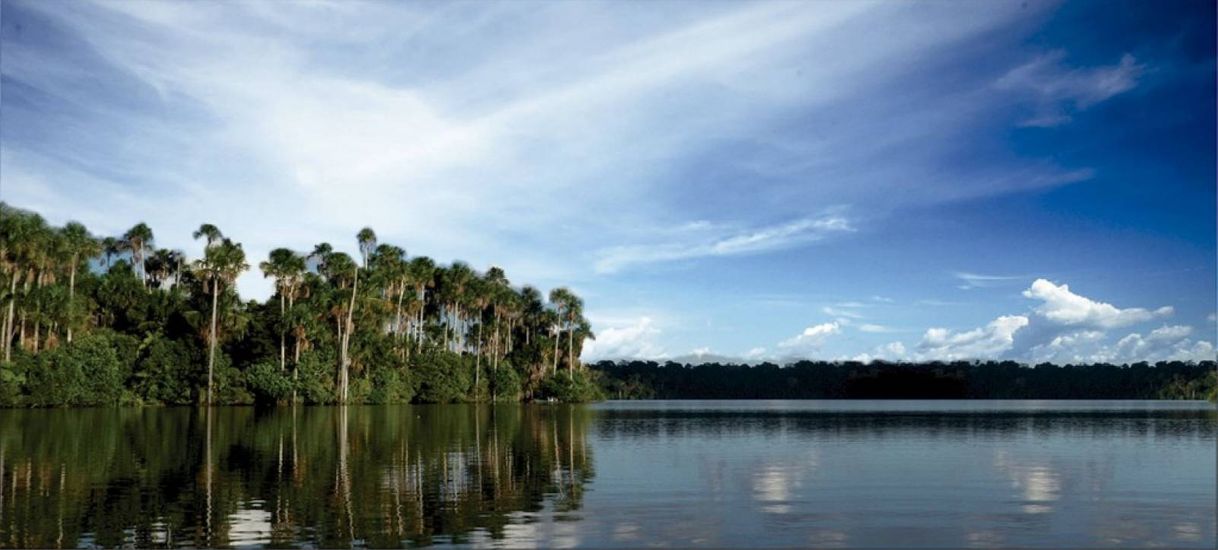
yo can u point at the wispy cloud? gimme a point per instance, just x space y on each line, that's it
763 239
1057 91
978 280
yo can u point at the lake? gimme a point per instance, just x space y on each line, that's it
665 473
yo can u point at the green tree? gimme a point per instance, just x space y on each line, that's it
222 262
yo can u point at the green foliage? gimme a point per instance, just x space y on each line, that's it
86 372
315 384
268 383
167 372
390 385
230 385
578 387
443 377
504 383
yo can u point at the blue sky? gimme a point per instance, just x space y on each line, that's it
905 180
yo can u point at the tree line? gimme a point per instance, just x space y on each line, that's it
932 380
91 320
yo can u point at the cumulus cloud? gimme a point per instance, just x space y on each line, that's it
1063 307
980 343
636 339
811 339
1056 91
1166 343
892 351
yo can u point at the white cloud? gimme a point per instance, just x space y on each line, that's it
636 339
985 342
892 351
811 339
977 280
777 237
1165 343
874 328
1063 307
845 313
755 353
1056 91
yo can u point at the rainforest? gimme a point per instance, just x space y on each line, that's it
91 320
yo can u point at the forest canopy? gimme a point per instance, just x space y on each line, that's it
93 320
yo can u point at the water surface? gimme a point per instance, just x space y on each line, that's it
668 473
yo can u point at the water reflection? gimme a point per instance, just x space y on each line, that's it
676 474
374 476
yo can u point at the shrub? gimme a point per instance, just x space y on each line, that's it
315 383
504 383
444 377
578 387
390 385
85 372
167 372
267 383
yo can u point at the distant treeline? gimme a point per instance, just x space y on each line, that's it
881 380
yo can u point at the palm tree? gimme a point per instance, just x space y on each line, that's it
575 318
79 245
110 248
287 268
221 264
18 231
210 231
337 267
559 298
457 278
422 273
367 243
138 239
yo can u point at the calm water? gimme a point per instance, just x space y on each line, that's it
690 473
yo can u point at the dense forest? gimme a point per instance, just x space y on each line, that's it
91 320
880 380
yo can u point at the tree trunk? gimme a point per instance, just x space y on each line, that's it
283 335
71 296
211 346
557 337
8 319
346 357
571 353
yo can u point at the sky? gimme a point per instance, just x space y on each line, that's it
718 180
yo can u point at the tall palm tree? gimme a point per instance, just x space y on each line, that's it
343 273
559 298
79 244
367 243
454 282
287 268
422 273
138 239
221 264
574 317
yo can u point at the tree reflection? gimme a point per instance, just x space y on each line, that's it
344 476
